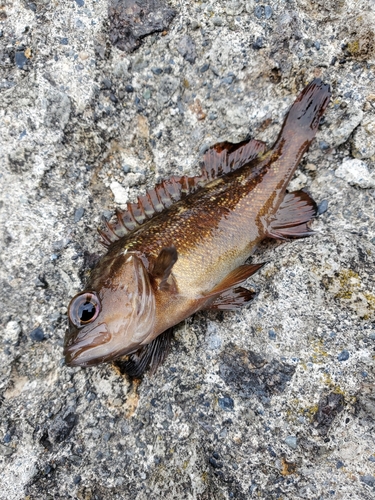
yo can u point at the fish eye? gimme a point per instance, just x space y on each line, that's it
84 308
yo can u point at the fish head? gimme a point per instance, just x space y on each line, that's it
114 317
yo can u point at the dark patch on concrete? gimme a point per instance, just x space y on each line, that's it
130 21
328 407
61 427
365 404
249 374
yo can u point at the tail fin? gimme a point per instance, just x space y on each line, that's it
304 115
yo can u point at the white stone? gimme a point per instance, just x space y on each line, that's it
298 183
119 192
356 173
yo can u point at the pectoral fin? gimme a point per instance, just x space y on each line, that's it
149 357
163 265
290 221
236 277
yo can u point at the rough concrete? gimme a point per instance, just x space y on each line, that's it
273 401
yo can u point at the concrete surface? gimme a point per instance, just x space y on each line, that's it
273 401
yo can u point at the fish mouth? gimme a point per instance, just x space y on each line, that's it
88 349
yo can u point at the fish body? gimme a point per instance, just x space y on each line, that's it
181 248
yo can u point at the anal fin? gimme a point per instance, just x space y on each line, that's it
149 357
227 295
232 299
290 221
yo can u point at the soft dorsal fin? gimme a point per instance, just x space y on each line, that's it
219 160
226 157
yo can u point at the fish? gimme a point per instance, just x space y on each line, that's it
184 246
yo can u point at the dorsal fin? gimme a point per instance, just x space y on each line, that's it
226 157
219 160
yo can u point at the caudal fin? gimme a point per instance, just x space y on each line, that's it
304 115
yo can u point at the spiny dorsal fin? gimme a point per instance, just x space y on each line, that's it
221 159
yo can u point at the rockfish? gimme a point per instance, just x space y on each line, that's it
182 247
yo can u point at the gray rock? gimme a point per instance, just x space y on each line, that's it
21 60
57 109
37 334
131 21
363 139
78 214
369 480
356 173
234 7
328 408
217 21
342 124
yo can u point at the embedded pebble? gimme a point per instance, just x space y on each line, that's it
291 441
369 480
322 207
37 334
298 183
186 47
234 7
344 122
343 356
12 331
226 403
21 60
78 214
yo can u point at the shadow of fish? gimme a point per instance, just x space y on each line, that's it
181 248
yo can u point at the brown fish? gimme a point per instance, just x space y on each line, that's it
181 248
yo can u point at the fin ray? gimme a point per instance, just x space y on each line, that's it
232 299
239 275
290 221
149 357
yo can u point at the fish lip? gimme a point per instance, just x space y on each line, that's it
76 347
72 357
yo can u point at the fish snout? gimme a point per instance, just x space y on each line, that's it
87 346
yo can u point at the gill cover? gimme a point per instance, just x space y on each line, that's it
115 317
